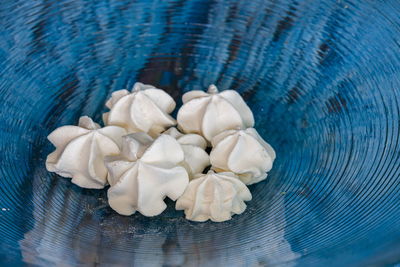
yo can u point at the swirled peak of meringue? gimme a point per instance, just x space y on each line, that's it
212 112
143 175
244 153
80 152
144 109
214 196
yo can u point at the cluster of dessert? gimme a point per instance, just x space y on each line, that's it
144 158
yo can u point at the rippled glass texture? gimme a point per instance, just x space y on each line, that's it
322 78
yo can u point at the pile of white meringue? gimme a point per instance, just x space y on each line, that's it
144 158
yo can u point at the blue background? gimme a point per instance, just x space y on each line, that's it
322 78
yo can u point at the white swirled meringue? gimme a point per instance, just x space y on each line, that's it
145 109
214 196
145 173
80 152
244 153
211 113
193 146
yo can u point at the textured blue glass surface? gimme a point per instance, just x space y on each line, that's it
322 78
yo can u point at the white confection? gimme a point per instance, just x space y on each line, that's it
145 173
214 196
193 146
80 152
244 153
211 113
145 109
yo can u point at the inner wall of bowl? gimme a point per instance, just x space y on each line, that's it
320 77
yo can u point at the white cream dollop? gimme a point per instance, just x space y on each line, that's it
145 109
244 153
193 146
80 152
214 196
145 173
211 113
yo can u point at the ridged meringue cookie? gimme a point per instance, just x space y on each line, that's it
244 153
193 146
214 196
80 152
145 109
143 175
211 113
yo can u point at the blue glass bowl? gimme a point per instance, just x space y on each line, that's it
322 78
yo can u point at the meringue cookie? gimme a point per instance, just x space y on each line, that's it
214 196
145 109
193 146
211 113
244 153
143 175
80 151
